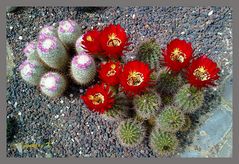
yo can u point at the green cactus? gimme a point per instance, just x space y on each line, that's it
53 84
167 99
117 112
68 32
147 104
150 53
52 52
163 143
31 71
83 68
171 119
168 83
30 51
48 30
187 124
189 99
130 133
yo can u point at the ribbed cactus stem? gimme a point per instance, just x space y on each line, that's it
130 133
189 99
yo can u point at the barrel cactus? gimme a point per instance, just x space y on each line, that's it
53 84
189 98
68 32
83 68
147 104
52 52
171 119
163 143
48 30
117 112
31 71
169 83
130 133
30 51
150 53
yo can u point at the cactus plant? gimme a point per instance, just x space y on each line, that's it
187 124
150 53
83 68
52 52
130 133
168 82
30 51
117 112
171 119
78 45
163 143
53 84
68 32
48 30
147 104
31 71
189 98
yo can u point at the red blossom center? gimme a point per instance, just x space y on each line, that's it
135 78
97 98
113 41
112 72
201 73
178 55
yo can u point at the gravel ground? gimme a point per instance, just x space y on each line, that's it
65 122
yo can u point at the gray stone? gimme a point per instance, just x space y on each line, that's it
191 154
227 90
214 129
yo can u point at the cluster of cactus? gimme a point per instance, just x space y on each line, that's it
163 110
48 57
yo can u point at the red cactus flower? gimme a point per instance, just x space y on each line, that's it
202 72
177 55
113 40
135 77
109 72
98 98
90 42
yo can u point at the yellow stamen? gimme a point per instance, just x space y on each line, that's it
112 72
89 38
97 98
178 55
135 78
113 41
201 73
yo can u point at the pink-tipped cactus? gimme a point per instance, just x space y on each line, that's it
83 68
68 32
30 51
78 45
52 52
